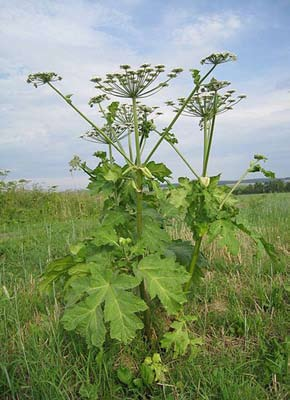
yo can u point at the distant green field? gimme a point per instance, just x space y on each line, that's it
241 305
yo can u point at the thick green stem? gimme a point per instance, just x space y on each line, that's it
210 136
92 124
130 146
139 218
209 144
193 262
180 155
110 153
178 114
205 145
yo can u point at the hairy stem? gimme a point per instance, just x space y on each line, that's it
205 145
130 146
139 217
110 153
210 135
193 262
209 143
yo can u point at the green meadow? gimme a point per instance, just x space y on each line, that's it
240 304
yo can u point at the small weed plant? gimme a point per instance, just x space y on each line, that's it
130 278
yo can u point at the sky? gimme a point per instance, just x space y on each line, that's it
78 39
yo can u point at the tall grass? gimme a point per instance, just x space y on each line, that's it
241 304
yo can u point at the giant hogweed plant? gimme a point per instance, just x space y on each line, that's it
114 280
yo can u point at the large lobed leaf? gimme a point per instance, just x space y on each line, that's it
164 278
106 288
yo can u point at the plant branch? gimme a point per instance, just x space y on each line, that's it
180 155
234 188
178 114
139 217
91 123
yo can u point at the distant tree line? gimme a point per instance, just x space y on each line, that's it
271 186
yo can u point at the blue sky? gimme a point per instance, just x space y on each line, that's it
82 38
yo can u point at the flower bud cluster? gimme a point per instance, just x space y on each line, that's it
41 78
131 83
123 121
208 102
113 132
219 58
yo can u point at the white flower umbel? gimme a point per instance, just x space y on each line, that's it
219 58
140 83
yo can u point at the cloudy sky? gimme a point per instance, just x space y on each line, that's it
39 133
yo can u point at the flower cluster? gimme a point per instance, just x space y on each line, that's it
41 78
208 102
219 58
124 122
138 83
98 99
125 116
114 133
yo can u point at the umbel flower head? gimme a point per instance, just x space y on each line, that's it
219 58
41 78
145 115
123 122
138 83
114 133
208 102
124 116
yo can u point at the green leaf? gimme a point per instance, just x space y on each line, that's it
89 391
120 306
159 170
151 231
55 270
164 278
112 172
178 197
180 338
105 235
125 375
147 374
87 319
120 309
115 218
260 241
260 157
224 232
268 174
111 115
182 250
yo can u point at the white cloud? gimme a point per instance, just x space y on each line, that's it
80 38
207 31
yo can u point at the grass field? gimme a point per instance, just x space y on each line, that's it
241 305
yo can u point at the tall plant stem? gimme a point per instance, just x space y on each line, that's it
197 245
193 262
181 156
178 114
205 162
92 124
130 146
139 217
209 144
110 153
205 145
